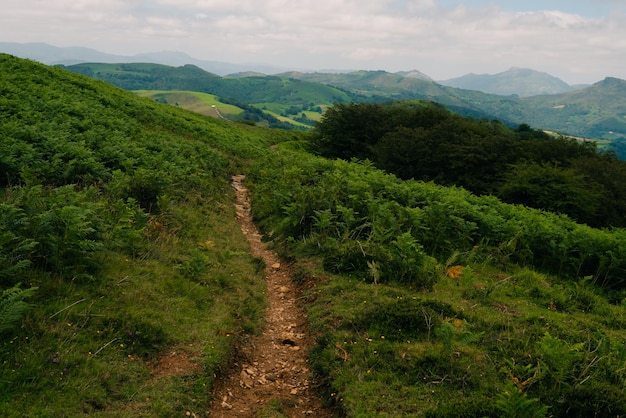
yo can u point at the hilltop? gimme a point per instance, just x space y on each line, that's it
122 255
523 82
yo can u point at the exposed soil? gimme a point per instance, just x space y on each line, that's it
272 367
174 363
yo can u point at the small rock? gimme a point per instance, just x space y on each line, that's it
276 266
294 391
246 380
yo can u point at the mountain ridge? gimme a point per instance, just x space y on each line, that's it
596 111
52 55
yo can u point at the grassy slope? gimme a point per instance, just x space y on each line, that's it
599 108
491 338
171 275
202 103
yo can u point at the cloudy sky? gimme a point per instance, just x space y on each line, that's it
579 41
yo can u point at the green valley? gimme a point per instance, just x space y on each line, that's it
120 247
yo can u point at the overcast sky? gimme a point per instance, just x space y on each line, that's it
579 41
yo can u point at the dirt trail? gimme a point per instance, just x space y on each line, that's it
274 365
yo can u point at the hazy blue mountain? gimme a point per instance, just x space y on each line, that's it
523 82
52 55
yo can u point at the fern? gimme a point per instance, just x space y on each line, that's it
13 306
515 404
560 358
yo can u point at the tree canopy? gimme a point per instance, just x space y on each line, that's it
425 141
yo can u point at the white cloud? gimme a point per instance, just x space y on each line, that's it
382 34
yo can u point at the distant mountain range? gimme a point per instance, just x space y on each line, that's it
515 81
52 55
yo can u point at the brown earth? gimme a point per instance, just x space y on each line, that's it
273 367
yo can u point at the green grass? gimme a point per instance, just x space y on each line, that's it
273 409
316 116
194 289
288 120
274 108
394 339
389 351
202 103
134 252
278 110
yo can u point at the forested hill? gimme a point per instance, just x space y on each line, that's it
523 165
264 89
126 285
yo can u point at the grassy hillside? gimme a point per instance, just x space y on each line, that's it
424 141
369 83
117 219
432 302
601 108
116 212
203 103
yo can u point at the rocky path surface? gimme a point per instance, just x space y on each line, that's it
274 366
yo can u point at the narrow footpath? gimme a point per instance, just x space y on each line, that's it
272 371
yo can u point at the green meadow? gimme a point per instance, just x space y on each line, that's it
198 102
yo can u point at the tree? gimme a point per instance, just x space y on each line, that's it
349 130
551 188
